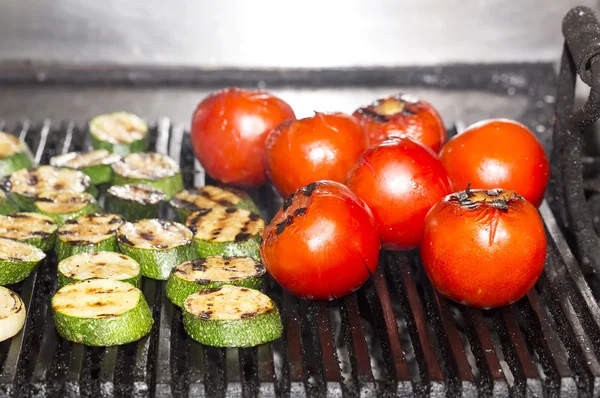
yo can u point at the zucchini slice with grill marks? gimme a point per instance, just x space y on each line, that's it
231 316
14 154
134 201
149 168
33 228
226 231
193 199
101 312
99 265
213 271
7 206
120 132
26 185
157 245
63 206
88 233
12 313
95 164
17 260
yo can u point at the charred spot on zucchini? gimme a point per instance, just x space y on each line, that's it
213 271
226 231
157 245
14 154
231 316
32 228
120 132
87 234
26 185
190 200
101 312
12 313
149 168
99 265
135 201
64 206
95 164
17 260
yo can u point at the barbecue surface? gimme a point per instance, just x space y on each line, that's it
394 336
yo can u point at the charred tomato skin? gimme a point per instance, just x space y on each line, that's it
403 114
228 133
485 249
322 147
400 180
323 242
498 153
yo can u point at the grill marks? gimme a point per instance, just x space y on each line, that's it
219 269
221 224
107 265
24 226
63 202
228 302
154 234
142 194
146 166
12 250
118 128
207 197
33 182
90 229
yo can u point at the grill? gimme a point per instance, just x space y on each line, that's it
395 336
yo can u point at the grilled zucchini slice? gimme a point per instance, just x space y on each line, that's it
101 312
14 154
157 245
226 231
17 260
120 132
7 206
88 233
213 271
12 313
134 201
33 228
231 316
95 164
63 206
99 265
26 185
193 199
149 168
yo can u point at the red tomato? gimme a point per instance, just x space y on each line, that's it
498 153
400 180
228 134
400 115
323 243
484 248
322 147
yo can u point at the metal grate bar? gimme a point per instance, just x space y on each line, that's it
196 369
455 359
214 359
106 379
233 379
142 379
400 273
294 349
331 366
357 348
267 380
492 377
163 354
536 323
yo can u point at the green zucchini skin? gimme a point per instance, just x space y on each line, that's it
65 249
179 288
14 271
249 332
249 247
17 161
99 174
91 207
134 210
169 185
42 239
157 263
7 206
64 279
101 225
113 330
120 149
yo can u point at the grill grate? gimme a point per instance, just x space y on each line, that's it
395 336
